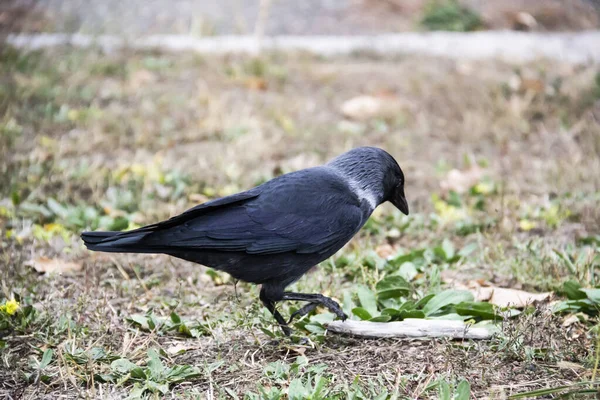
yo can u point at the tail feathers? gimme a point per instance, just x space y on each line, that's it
116 242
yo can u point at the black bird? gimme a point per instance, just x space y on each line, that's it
274 233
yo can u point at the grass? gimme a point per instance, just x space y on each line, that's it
97 141
449 15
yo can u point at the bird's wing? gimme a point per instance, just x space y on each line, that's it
308 212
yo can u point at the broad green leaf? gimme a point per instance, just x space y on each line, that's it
444 390
445 298
592 294
573 291
138 373
155 387
463 391
139 320
367 300
155 365
449 317
381 318
181 372
407 257
123 366
476 309
347 303
362 313
408 271
448 248
407 305
421 303
176 319
392 312
320 384
392 286
297 391
323 317
383 396
468 249
136 392
412 314
268 332
315 327
46 358
573 306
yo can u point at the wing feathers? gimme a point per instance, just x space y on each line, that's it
308 212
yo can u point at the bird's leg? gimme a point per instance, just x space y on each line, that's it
270 304
333 306
303 311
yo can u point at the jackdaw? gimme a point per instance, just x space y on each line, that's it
274 233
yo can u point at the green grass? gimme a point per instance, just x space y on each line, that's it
94 141
449 15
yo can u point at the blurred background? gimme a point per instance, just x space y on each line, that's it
287 17
501 154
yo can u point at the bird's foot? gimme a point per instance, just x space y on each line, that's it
314 300
335 308
303 311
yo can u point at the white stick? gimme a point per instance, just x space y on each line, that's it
412 328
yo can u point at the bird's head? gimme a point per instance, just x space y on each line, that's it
374 175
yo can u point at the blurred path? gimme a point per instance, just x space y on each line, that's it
319 26
512 47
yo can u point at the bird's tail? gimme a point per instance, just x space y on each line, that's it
117 242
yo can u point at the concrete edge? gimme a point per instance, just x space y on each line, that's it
509 46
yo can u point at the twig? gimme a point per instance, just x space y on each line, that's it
413 328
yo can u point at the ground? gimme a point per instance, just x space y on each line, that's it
498 160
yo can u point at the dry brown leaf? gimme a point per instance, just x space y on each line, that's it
54 265
256 83
299 350
385 250
461 181
141 78
482 293
177 349
534 85
573 319
366 107
503 297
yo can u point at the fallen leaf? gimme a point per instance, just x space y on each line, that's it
255 83
569 365
462 181
523 21
534 85
299 350
177 349
54 265
573 319
503 297
385 251
198 198
141 78
367 107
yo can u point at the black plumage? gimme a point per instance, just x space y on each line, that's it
274 233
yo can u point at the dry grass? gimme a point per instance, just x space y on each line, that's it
171 131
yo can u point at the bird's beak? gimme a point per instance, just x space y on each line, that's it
399 200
